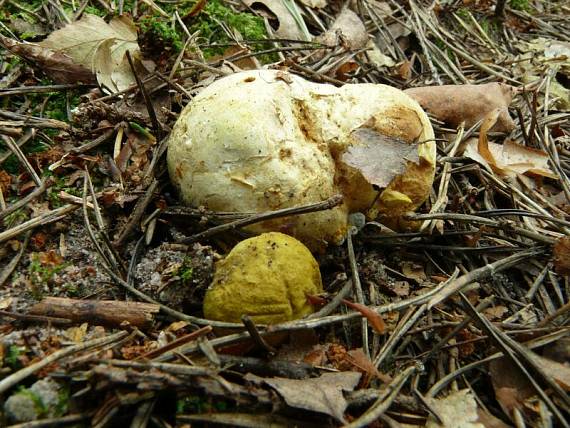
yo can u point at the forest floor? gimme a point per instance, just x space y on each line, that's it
461 320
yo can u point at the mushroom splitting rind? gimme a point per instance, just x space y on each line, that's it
260 140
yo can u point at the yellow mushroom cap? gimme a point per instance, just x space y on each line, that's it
266 277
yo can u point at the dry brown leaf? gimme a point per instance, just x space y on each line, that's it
348 29
414 271
454 104
558 351
562 255
374 318
99 47
288 27
508 159
5 181
495 312
50 258
490 421
557 371
512 389
379 158
77 334
322 394
457 410
355 360
60 67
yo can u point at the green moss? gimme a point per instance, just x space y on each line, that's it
19 9
489 26
196 404
520 5
39 405
12 357
40 274
62 401
211 35
159 28
249 26
92 10
463 13
186 272
15 218
59 185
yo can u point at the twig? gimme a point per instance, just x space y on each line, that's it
9 268
535 343
405 324
157 127
384 401
53 422
41 220
255 336
46 182
176 343
357 286
20 375
504 343
22 158
137 214
481 273
331 202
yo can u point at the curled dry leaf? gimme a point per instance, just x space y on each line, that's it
288 27
454 104
349 28
373 317
99 47
61 68
508 159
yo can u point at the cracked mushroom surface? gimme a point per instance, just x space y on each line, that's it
263 140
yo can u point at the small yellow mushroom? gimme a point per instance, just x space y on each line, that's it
266 277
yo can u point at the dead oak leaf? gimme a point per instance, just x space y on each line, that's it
322 394
454 104
508 159
100 47
457 410
291 25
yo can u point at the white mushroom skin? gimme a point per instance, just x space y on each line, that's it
263 140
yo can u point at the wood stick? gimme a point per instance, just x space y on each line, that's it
106 312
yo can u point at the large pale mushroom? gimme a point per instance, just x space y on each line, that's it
262 140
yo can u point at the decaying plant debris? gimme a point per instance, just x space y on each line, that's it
454 315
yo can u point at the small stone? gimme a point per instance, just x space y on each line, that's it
29 404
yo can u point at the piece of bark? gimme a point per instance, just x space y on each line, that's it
103 312
454 104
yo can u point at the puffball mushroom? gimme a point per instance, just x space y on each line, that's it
262 140
266 277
